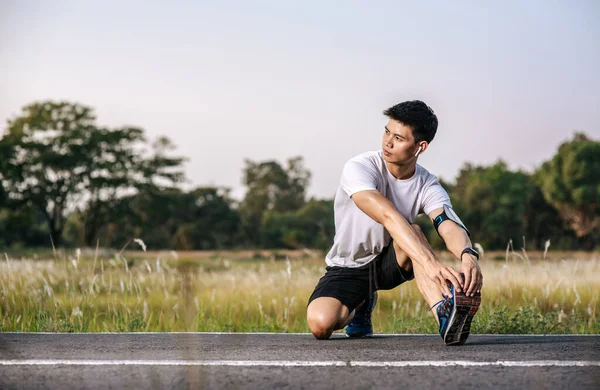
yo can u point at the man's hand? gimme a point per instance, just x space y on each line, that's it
441 275
473 277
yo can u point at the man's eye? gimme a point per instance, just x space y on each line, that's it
397 138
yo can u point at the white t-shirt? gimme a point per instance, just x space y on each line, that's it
358 238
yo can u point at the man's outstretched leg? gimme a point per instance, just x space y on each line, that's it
453 314
429 291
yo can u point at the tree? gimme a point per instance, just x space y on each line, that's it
203 218
312 226
270 187
570 181
58 160
42 167
213 223
497 204
24 227
19 226
119 168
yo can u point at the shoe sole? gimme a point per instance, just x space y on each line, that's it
465 309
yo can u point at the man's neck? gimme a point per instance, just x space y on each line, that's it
401 171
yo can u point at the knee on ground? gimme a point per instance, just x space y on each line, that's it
321 325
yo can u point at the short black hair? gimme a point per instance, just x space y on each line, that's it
418 116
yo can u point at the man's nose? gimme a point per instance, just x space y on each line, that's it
389 142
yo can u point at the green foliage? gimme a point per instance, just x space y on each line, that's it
524 321
65 177
270 187
311 226
42 148
203 218
211 222
498 205
22 227
127 323
55 156
571 182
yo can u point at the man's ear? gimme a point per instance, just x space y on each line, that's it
422 146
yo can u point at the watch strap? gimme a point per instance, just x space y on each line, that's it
470 251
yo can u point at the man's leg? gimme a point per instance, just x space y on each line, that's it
455 313
427 287
326 314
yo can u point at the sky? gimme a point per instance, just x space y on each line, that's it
233 80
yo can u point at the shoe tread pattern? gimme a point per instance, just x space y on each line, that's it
465 309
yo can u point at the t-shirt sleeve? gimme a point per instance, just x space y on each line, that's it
358 176
434 197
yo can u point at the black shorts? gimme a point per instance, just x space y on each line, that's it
352 286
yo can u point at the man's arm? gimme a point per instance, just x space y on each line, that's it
381 210
457 239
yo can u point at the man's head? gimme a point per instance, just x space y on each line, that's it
409 131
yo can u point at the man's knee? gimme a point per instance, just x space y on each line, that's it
321 324
324 315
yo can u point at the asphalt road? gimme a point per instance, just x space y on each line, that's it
230 361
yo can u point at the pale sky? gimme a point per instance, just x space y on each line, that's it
229 80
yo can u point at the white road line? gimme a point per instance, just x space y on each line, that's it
295 334
302 363
465 363
235 363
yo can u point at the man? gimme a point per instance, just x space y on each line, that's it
377 246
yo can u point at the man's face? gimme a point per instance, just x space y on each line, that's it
398 143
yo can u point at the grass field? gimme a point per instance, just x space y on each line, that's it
268 291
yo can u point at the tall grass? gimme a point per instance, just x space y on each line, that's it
268 291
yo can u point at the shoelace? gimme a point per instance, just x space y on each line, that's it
437 303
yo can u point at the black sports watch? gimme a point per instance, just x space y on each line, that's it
471 251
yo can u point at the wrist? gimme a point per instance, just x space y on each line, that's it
468 256
469 253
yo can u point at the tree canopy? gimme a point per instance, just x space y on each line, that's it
65 176
271 187
570 181
57 160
